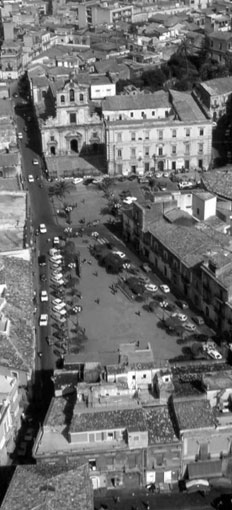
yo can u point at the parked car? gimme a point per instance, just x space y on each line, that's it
214 354
20 136
151 287
198 320
31 178
198 485
59 282
35 161
43 277
165 288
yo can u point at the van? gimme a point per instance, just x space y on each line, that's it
198 485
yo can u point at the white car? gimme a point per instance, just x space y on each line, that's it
35 161
56 258
95 234
43 320
56 264
151 287
119 253
42 228
180 316
20 136
77 180
165 288
58 317
129 200
43 295
158 175
166 175
214 354
57 282
61 311
57 301
31 178
56 241
54 251
57 275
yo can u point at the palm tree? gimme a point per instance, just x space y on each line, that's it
60 189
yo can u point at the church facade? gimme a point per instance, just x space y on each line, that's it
77 127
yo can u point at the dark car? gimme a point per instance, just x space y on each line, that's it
43 277
42 260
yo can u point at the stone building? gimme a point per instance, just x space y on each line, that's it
76 127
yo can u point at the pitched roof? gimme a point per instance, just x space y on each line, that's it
194 414
190 244
218 86
187 109
49 488
159 425
142 101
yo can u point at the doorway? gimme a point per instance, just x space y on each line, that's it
74 145
53 150
160 166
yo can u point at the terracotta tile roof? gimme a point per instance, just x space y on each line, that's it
194 414
17 351
49 488
131 419
159 425
157 100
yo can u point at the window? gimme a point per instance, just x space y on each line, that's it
119 153
160 151
174 133
186 164
119 137
173 149
142 114
71 95
144 376
133 136
200 148
147 135
198 211
72 118
153 113
52 138
133 153
132 114
187 132
62 99
173 165
81 97
92 464
133 376
146 151
187 148
201 132
160 134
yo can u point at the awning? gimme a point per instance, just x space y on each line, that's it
205 469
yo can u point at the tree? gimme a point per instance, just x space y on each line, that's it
60 189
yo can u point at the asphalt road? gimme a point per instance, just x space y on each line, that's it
41 212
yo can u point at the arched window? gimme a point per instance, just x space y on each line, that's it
71 95
81 97
62 99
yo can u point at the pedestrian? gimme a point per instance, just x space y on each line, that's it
97 301
138 313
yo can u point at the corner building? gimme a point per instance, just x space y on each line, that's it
158 132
